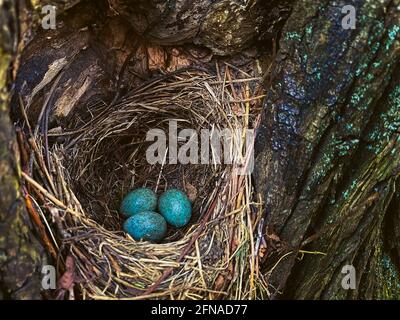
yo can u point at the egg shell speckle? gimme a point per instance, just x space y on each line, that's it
175 207
139 200
146 225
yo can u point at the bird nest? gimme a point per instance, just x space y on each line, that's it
80 175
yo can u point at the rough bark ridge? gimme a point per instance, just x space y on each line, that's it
76 67
224 26
327 152
20 253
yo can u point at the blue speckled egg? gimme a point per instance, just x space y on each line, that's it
142 199
175 207
146 225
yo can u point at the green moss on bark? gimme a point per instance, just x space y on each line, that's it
20 252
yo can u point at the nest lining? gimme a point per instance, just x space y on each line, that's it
108 158
103 157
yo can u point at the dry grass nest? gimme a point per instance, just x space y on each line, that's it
79 178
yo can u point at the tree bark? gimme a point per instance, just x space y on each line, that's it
20 252
224 26
327 152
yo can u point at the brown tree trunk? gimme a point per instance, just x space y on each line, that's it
328 152
20 252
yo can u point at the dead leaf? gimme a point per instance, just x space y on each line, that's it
219 283
191 191
274 237
67 280
262 251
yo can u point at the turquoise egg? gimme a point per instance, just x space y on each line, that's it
142 199
175 207
146 225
